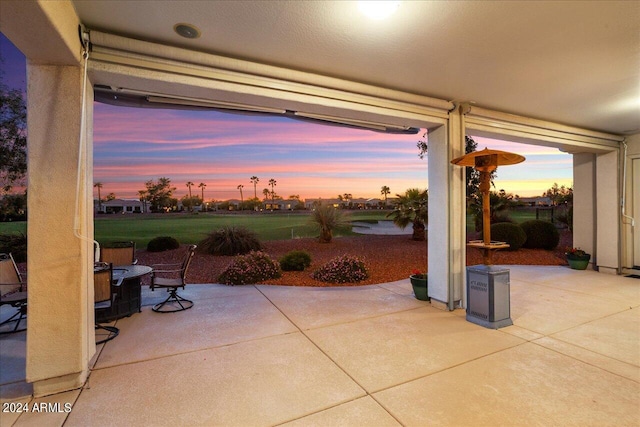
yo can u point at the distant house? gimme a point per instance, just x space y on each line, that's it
119 206
354 203
535 201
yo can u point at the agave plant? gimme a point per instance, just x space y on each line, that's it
412 208
327 218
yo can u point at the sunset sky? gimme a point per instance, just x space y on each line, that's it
132 146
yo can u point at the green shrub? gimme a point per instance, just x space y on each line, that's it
230 241
510 233
162 243
295 261
16 243
342 269
540 234
251 268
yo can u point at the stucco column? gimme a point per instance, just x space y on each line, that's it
447 215
596 208
584 202
60 337
608 212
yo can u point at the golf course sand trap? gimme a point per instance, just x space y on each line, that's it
381 228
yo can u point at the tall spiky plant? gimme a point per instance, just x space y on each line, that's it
327 218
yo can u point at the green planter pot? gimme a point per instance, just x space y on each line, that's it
419 287
578 262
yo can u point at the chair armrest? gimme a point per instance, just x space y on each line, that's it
166 265
153 272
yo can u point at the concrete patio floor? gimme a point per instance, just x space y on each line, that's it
360 356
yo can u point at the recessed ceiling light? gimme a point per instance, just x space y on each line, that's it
187 31
378 9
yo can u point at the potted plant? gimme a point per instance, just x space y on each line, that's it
419 283
577 258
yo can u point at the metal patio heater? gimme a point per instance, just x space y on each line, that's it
488 298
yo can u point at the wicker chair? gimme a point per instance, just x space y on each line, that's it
105 292
171 277
13 292
119 253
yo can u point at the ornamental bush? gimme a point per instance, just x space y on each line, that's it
295 261
162 243
509 233
16 244
251 268
342 269
230 241
540 234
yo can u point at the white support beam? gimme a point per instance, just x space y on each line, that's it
447 224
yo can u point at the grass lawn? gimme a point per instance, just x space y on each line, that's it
189 228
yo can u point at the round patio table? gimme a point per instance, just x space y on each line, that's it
129 294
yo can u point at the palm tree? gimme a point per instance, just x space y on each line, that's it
272 183
327 218
190 184
412 208
98 185
385 191
202 186
254 180
240 187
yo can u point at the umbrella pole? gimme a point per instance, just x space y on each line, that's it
485 184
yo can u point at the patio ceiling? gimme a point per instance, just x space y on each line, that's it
576 63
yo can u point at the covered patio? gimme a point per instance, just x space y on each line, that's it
354 356
513 71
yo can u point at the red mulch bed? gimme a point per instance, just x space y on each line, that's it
388 258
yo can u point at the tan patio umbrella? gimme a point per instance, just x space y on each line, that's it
486 161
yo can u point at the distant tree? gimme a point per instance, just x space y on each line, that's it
254 180
13 137
159 194
559 195
13 207
266 194
202 186
142 195
412 208
98 185
385 191
110 196
190 202
251 204
272 183
500 202
347 197
240 187
190 184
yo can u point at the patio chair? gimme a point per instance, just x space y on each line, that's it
105 292
13 292
119 253
172 277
